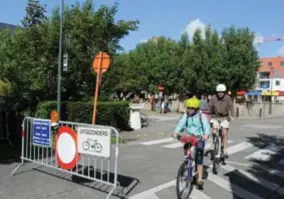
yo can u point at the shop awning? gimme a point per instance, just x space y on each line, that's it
269 93
240 93
281 93
253 93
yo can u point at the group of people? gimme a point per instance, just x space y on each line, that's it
200 115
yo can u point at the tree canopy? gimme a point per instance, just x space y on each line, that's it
196 66
28 57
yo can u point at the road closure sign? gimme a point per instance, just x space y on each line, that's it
41 133
94 141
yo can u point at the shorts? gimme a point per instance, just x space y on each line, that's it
224 123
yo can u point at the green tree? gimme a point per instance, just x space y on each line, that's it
240 58
87 32
230 59
29 56
150 64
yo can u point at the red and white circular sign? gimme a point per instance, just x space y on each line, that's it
66 148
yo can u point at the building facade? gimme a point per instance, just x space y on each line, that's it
270 78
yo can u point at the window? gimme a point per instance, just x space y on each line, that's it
277 83
277 73
270 63
282 63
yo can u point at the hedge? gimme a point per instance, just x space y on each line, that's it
113 113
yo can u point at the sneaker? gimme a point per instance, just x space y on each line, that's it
200 184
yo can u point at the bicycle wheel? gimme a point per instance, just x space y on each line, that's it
184 174
216 165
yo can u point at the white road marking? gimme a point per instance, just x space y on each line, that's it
272 171
232 187
277 172
238 163
264 154
159 141
145 196
173 146
150 193
196 194
179 144
162 118
250 176
238 147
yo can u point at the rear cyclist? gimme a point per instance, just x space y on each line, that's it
195 123
221 108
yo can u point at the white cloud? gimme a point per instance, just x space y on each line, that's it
193 25
280 52
258 39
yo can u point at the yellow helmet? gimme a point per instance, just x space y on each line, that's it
192 103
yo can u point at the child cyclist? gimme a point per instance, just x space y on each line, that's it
196 124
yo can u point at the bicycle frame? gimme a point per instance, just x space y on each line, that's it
190 159
219 135
190 162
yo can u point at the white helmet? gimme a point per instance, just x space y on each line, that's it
221 88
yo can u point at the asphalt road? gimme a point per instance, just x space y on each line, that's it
148 168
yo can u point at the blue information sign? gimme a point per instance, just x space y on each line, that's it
42 133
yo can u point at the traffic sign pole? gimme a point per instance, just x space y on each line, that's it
97 90
101 63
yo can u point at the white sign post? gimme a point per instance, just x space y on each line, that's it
94 141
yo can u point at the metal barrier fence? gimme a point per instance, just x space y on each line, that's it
83 150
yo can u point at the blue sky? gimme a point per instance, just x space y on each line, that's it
171 17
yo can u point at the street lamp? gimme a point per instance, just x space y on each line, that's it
271 89
60 60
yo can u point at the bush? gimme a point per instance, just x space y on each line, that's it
114 113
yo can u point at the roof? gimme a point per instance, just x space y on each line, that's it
9 26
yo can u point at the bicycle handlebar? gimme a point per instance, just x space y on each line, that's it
189 138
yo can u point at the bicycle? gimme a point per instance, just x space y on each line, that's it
188 166
217 155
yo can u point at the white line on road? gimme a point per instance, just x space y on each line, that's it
151 192
229 186
159 141
238 163
277 172
271 171
264 154
196 194
258 180
179 144
238 147
173 146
